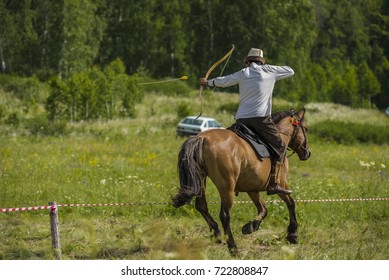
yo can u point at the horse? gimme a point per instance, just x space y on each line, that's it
233 166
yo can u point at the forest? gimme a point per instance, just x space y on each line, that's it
338 48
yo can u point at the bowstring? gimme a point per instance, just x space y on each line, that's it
202 87
213 90
221 72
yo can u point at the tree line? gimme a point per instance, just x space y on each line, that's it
338 48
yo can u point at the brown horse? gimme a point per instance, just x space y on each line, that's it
233 166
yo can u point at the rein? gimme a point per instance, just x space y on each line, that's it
297 123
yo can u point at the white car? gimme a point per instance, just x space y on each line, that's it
192 125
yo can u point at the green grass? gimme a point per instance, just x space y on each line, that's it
135 161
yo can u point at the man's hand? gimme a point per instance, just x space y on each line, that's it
204 82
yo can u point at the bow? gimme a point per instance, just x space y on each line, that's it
216 64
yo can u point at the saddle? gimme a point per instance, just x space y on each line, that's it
261 148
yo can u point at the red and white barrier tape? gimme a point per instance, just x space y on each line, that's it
109 204
52 207
323 200
16 209
341 200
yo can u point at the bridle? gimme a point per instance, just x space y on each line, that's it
293 145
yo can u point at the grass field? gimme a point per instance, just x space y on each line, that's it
135 161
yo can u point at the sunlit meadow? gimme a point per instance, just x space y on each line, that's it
134 161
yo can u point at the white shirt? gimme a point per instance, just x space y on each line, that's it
256 84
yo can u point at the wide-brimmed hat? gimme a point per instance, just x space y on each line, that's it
254 55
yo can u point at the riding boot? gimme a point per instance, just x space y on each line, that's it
273 186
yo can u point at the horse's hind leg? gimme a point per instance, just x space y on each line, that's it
225 217
202 207
250 227
292 228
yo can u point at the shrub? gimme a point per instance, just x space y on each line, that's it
94 94
41 126
29 90
2 112
183 110
173 88
350 133
12 120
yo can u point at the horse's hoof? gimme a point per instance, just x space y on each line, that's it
292 238
248 228
217 239
233 251
251 227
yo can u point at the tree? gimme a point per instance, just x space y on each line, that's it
368 84
7 29
16 35
344 85
82 33
322 85
378 19
57 103
48 24
123 90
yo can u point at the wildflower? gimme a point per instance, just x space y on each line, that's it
103 181
383 165
364 164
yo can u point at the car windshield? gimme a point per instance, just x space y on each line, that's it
192 121
213 124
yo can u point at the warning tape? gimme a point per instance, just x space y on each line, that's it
110 204
341 200
16 209
325 200
52 207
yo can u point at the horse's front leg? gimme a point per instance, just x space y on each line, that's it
250 227
292 228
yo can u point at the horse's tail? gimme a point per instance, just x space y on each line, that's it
191 170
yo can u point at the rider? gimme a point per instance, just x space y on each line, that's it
256 84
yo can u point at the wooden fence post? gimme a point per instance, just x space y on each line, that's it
55 230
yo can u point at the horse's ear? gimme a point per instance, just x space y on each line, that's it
301 113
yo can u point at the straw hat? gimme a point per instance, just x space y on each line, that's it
254 55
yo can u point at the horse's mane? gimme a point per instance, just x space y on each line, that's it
278 116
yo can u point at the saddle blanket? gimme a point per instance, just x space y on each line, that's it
262 149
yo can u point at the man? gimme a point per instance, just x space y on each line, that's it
256 84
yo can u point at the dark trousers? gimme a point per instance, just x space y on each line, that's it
266 128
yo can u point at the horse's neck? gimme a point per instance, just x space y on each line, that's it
285 130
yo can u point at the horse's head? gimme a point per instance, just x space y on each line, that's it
291 124
299 140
